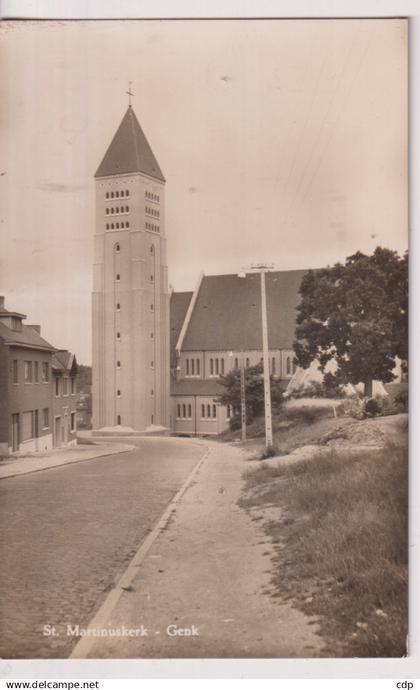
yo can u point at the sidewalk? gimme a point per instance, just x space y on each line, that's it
34 462
205 573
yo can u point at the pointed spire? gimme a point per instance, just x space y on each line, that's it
129 151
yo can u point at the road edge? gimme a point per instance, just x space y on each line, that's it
85 644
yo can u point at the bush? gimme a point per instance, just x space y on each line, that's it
401 399
269 452
372 407
307 415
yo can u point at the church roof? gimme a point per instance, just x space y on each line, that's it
178 310
227 313
129 151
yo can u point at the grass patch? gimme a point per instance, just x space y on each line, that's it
343 545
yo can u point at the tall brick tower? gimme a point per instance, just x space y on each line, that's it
130 291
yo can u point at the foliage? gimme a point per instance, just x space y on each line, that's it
84 378
402 400
328 388
254 393
357 315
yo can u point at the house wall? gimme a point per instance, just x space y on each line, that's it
64 406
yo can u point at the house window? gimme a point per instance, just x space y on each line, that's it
45 372
189 412
127 209
112 226
27 367
72 421
15 371
288 366
45 418
151 279
273 365
211 367
27 427
203 411
117 225
214 411
65 386
152 249
178 408
152 335
222 364
198 367
107 226
57 386
73 385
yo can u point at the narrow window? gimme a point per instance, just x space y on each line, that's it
57 386
72 421
107 226
112 195
247 362
236 363
118 306
73 385
127 208
217 366
127 193
214 411
203 413
288 367
107 195
117 194
117 246
152 249
184 414
211 367
152 392
118 364
178 411
65 386
112 226
222 364
189 411
45 372
107 211
118 419
273 365
118 335
152 335
45 418
228 411
117 277
198 367
127 225
112 211
118 393
208 411
28 372
152 307
188 367
152 364
151 279
192 367
15 374
118 226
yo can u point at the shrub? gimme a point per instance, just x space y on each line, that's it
372 407
269 452
401 399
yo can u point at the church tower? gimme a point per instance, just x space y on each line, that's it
130 291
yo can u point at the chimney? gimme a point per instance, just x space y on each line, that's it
36 327
1 302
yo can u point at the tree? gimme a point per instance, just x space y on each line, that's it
357 314
254 391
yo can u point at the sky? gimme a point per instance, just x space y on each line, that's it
281 140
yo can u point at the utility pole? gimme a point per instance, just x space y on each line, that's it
262 268
243 400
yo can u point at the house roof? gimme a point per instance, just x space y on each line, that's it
197 387
129 151
63 361
178 310
227 313
27 337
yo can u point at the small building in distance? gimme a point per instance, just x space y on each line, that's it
214 327
64 370
27 386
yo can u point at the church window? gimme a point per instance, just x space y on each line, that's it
118 393
192 367
273 365
117 246
184 411
118 364
208 411
127 225
152 249
118 306
203 413
127 193
112 210
118 335
107 211
152 364
217 366
117 226
127 208
107 195
152 308
211 367
214 411
222 364
236 363
187 364
288 366
247 362
228 411
117 277
112 195
107 226
117 210
152 335
198 367
112 226
151 278
118 419
117 194
189 411
178 409
152 392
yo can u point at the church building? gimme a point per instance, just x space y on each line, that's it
130 306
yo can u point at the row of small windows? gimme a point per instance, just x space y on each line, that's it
31 371
117 226
117 209
208 411
151 226
122 193
184 412
192 367
217 366
152 212
65 386
152 197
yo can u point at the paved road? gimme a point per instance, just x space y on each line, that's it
68 533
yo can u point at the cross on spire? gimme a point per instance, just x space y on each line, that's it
129 94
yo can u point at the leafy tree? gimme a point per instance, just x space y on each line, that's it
357 314
254 391
84 378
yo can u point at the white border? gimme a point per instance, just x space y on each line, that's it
266 668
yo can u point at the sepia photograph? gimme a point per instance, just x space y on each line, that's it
204 339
